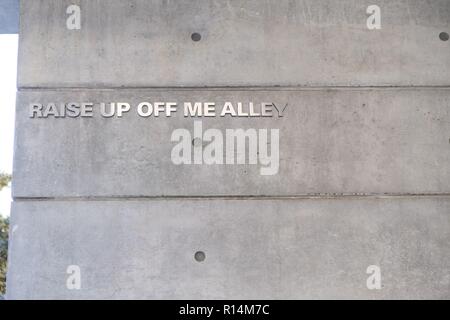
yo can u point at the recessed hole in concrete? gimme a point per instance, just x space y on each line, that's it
199 256
443 36
196 142
196 37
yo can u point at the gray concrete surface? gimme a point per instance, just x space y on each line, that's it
284 42
103 194
255 249
9 16
331 141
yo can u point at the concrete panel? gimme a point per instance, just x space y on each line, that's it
271 249
244 43
9 16
331 142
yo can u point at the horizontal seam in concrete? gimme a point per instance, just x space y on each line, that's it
231 88
239 197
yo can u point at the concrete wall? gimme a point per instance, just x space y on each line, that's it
331 141
364 174
255 249
138 43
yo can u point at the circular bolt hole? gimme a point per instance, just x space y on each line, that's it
196 37
197 142
444 36
199 256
